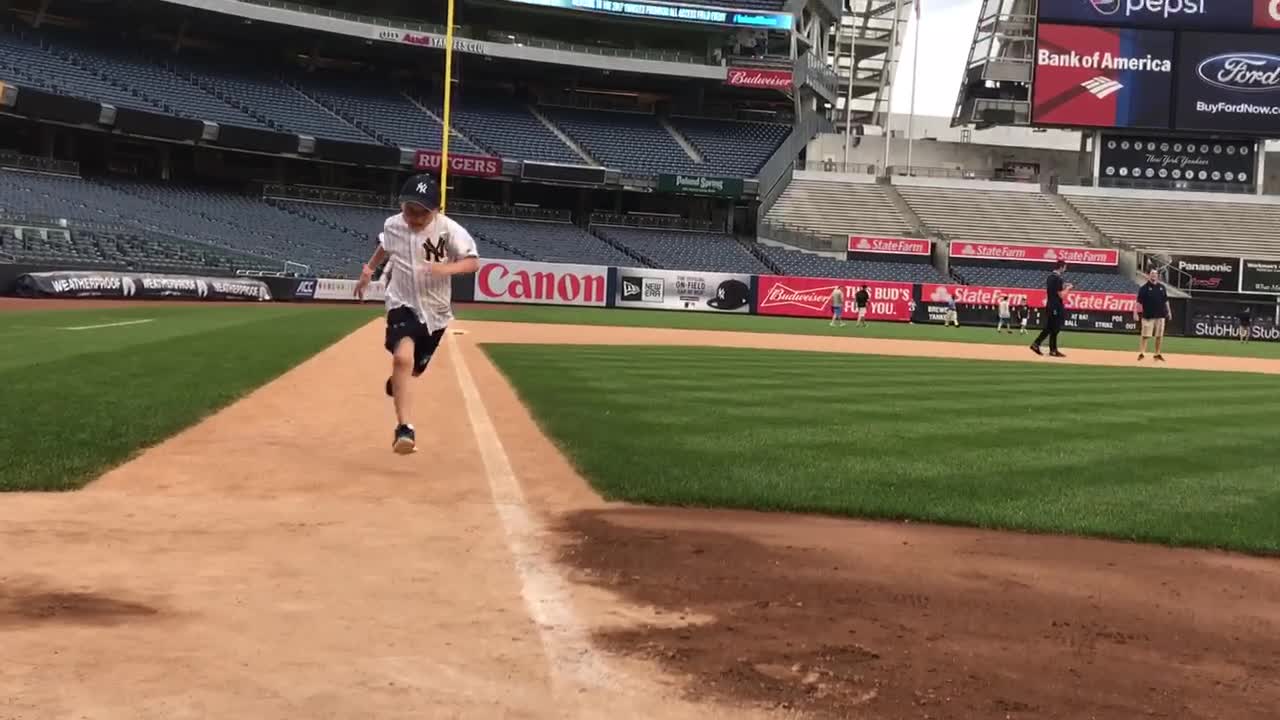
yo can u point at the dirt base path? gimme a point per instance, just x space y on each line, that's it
278 561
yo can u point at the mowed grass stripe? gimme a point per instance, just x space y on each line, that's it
73 411
883 330
1151 454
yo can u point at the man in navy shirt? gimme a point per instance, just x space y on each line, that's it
1055 310
1152 309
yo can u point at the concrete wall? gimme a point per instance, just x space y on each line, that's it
981 159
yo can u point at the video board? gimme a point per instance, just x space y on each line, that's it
662 10
1228 83
1102 77
1221 15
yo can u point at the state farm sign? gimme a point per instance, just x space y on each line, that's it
469 165
1034 253
811 297
889 245
517 281
756 78
1031 297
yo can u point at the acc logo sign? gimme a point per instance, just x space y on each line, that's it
306 289
1242 72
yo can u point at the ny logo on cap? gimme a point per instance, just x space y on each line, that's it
422 188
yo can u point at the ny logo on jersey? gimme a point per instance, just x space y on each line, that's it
436 251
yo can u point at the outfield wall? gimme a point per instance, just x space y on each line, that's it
535 283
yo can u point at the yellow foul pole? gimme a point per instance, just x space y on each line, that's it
448 98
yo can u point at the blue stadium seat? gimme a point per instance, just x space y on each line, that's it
795 262
1029 278
684 250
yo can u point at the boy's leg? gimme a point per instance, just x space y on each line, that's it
401 373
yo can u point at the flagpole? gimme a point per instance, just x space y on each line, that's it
915 64
891 60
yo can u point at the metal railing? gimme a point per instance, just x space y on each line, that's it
10 159
517 212
337 196
665 222
799 237
831 166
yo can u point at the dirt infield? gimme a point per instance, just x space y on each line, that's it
279 561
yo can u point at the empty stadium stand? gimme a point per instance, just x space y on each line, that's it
986 215
1182 225
683 250
795 262
733 149
839 208
1030 278
546 241
508 129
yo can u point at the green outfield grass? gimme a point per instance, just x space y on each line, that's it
1177 457
77 402
800 326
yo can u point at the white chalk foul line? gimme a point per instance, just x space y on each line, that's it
107 325
545 593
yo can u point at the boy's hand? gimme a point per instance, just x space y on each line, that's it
366 276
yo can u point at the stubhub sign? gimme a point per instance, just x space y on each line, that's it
1167 14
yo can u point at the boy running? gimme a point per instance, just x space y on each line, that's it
422 249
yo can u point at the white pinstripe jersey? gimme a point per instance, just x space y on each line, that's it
408 255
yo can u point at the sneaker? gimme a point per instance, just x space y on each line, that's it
1036 349
1055 353
405 441
1140 356
390 392
1158 358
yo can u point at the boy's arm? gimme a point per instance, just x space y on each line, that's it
463 247
366 273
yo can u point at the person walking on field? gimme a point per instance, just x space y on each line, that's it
1023 312
422 248
863 299
1055 310
952 318
1246 323
1002 312
1153 310
837 306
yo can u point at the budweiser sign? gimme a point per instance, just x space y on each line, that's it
889 245
515 281
982 295
469 165
811 297
756 78
1035 253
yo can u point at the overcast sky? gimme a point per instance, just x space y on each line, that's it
946 30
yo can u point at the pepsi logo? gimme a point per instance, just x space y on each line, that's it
1243 72
1105 7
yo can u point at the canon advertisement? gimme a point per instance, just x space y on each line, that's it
1102 77
518 281
1154 158
1242 15
1229 83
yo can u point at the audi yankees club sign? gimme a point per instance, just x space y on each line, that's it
518 281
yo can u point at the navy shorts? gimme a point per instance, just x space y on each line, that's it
403 323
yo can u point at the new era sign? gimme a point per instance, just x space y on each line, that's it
1034 253
756 78
889 245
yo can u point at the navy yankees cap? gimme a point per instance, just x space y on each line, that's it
422 190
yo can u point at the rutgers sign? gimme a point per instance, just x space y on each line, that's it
469 165
889 245
516 281
1034 253
756 78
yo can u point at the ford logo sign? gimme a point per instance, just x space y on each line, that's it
1243 72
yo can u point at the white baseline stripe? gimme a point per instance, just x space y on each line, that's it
107 325
546 595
